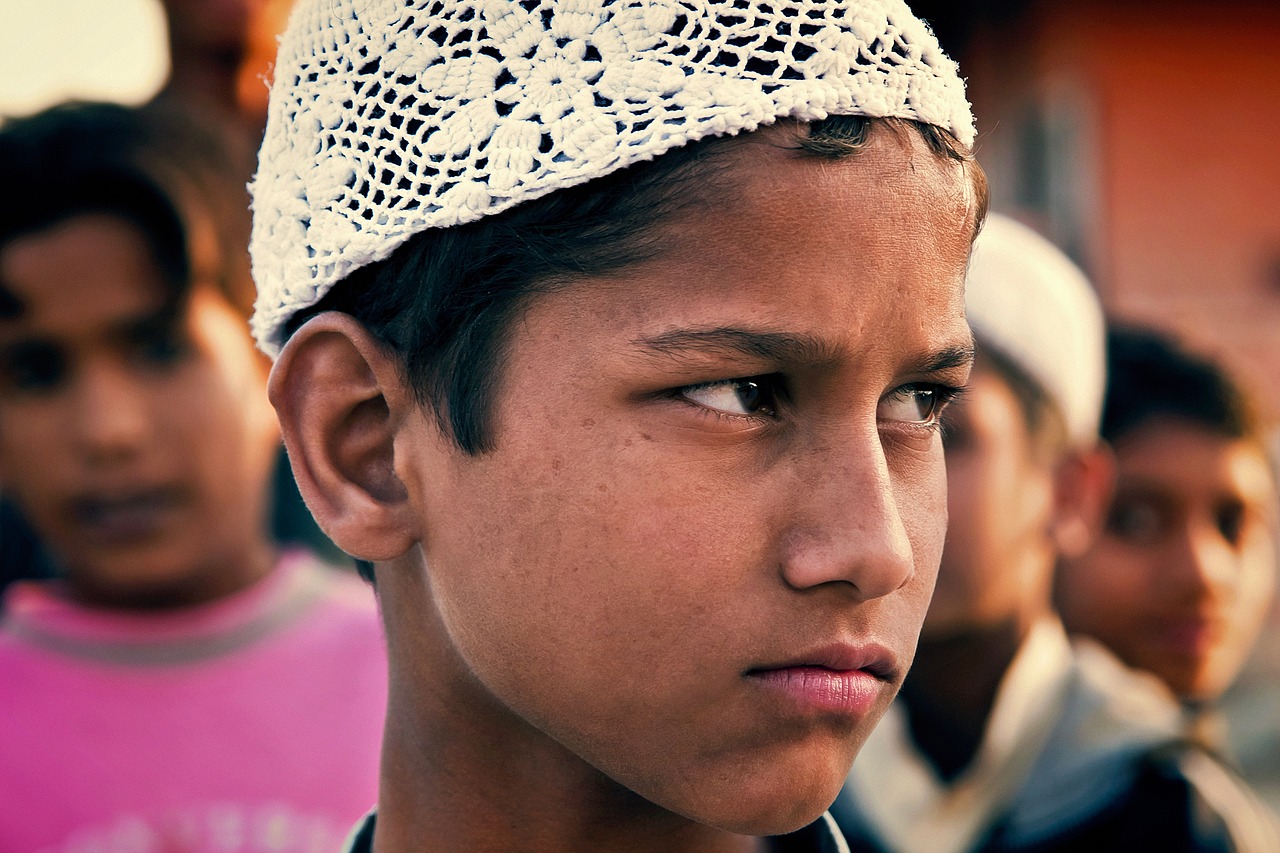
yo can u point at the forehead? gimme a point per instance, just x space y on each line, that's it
1178 456
891 221
85 272
891 197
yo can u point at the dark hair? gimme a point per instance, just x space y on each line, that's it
443 302
156 168
1151 376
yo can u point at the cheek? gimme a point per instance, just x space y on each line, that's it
219 435
984 512
932 512
1105 576
965 500
595 543
921 492
1258 568
1103 592
578 556
1129 574
34 454
1255 592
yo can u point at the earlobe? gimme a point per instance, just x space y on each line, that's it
339 401
1083 487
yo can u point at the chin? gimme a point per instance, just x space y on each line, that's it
139 588
781 797
778 815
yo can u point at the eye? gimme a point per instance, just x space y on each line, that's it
917 403
33 367
1137 521
752 397
157 344
1230 521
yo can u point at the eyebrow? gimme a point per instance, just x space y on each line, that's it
785 347
770 346
949 358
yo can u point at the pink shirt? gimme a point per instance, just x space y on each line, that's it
250 724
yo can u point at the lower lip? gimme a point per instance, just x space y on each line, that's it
1189 639
815 688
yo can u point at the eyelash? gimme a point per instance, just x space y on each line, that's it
943 395
773 384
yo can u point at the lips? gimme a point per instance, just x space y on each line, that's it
843 679
1188 636
126 515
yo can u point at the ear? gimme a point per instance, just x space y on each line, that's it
340 402
1083 483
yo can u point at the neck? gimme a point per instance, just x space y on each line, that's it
952 688
437 794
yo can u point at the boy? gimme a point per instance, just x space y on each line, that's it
1006 737
181 686
1180 580
644 455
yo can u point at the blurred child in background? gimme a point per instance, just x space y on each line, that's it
1005 736
1182 577
220 62
1180 580
184 685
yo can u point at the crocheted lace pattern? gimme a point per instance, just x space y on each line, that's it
389 117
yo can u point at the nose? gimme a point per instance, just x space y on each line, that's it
110 420
1203 563
846 523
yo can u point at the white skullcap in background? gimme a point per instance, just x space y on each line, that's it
1026 299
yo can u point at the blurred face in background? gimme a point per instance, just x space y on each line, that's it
135 435
1180 581
1000 500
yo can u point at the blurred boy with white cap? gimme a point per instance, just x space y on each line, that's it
1005 735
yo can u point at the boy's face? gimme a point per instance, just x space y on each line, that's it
137 443
1000 495
1180 580
700 553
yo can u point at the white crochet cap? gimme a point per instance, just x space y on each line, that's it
1027 300
389 117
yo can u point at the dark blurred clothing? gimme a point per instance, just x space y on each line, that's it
821 836
1080 753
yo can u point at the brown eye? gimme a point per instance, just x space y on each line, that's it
746 397
1136 521
1230 522
158 344
917 403
33 367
